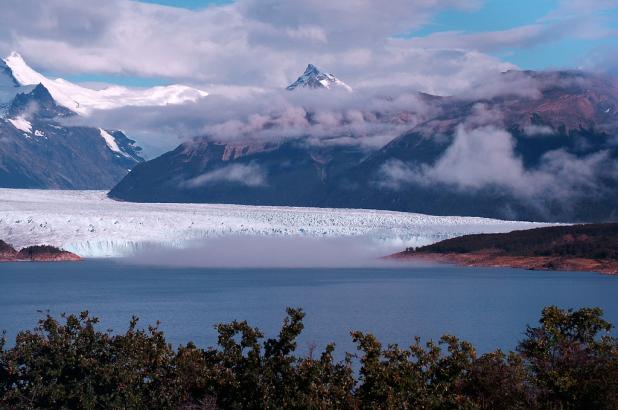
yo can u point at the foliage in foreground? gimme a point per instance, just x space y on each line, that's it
568 362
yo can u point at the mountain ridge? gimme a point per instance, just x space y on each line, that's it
39 150
570 123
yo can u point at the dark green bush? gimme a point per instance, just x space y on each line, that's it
569 362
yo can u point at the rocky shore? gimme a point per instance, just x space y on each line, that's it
37 253
493 260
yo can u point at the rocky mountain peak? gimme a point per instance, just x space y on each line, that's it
313 77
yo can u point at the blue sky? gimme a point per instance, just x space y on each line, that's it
495 15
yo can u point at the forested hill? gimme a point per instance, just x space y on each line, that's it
593 241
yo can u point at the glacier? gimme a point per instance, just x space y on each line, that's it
93 225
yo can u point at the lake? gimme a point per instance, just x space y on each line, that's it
489 307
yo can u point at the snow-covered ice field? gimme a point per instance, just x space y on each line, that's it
92 225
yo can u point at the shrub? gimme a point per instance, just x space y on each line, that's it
569 361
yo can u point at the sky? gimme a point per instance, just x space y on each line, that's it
267 43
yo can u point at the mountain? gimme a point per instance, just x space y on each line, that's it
9 87
553 157
550 155
83 100
38 149
289 172
314 78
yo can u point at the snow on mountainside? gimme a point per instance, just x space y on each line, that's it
314 78
83 100
111 143
92 225
21 124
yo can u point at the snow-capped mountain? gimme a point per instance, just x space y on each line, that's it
83 100
570 128
38 149
314 78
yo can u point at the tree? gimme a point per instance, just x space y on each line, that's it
572 359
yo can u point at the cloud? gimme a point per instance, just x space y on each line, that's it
267 43
244 53
603 59
263 43
476 158
485 157
367 119
578 19
538 130
251 175
519 37
511 83
269 252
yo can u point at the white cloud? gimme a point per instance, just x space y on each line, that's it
250 175
538 130
579 19
259 43
519 37
363 118
485 157
478 158
268 42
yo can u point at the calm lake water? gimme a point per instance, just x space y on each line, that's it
489 307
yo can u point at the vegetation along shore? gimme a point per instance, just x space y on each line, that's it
588 247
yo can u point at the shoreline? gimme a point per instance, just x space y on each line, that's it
36 253
538 263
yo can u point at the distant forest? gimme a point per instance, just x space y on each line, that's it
594 241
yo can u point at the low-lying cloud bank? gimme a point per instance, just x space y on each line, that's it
369 117
268 252
250 175
486 156
473 167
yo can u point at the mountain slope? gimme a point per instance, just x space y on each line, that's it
38 151
550 156
274 173
553 157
